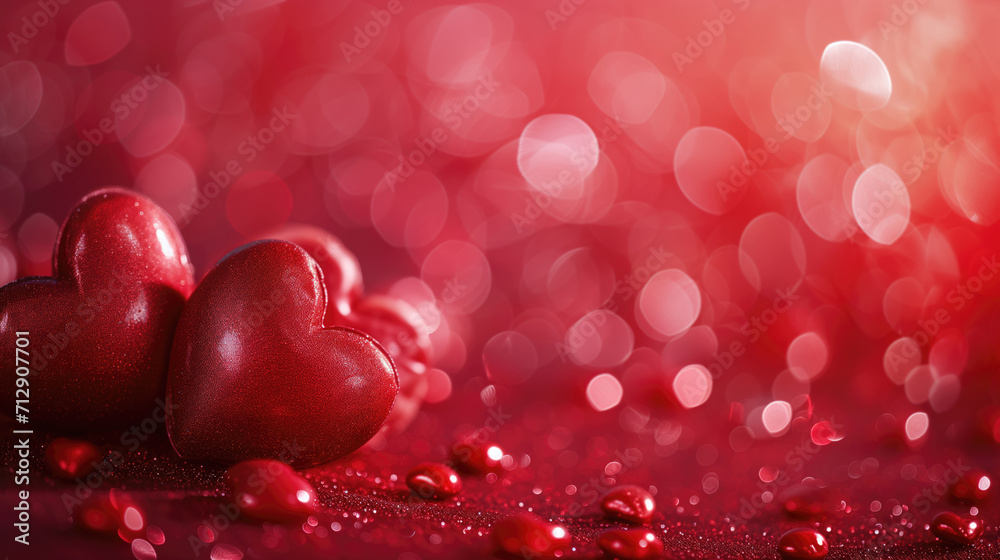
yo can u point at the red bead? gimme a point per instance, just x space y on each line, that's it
271 491
101 327
952 528
972 487
255 374
477 456
631 504
803 544
69 459
630 543
434 481
529 535
341 271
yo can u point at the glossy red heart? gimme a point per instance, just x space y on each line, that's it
394 323
100 329
254 373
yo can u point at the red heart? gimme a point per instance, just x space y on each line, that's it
100 329
396 325
254 373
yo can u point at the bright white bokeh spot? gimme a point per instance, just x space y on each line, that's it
692 386
604 392
669 303
916 425
556 153
302 496
881 204
820 197
626 86
494 453
807 355
901 357
133 519
855 76
776 417
711 169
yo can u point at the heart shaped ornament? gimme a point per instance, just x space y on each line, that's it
254 373
99 330
395 324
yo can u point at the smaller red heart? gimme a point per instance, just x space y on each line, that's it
254 373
